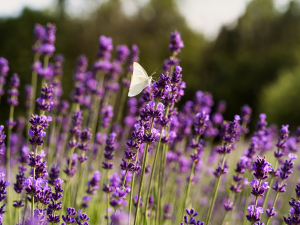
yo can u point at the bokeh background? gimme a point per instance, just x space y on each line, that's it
242 51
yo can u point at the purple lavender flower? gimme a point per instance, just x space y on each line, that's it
69 219
47 48
75 128
54 174
36 131
246 112
167 211
39 32
134 57
2 139
13 92
107 114
122 53
120 218
4 68
105 47
85 201
109 150
258 189
45 101
261 168
118 198
3 186
19 185
71 171
189 218
281 143
93 184
254 213
201 122
85 137
175 42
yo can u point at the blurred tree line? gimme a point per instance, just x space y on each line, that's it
256 62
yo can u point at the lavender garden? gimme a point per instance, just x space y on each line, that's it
104 158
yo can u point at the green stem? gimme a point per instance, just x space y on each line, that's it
161 173
143 172
234 206
79 184
224 218
215 194
46 62
33 178
131 188
124 180
159 188
270 184
188 187
189 184
25 209
274 203
33 93
19 211
141 183
122 103
107 206
67 189
51 141
152 172
107 200
11 119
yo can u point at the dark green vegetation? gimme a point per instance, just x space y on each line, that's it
255 63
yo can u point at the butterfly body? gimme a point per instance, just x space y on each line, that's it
139 80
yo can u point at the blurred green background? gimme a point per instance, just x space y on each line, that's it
256 62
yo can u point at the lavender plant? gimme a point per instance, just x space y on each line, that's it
165 164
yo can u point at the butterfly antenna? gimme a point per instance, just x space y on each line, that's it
154 71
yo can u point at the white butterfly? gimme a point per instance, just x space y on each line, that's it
139 80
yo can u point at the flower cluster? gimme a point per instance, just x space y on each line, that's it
281 143
107 114
93 184
175 42
105 47
2 139
56 203
254 213
75 129
230 133
13 92
36 131
189 218
246 113
45 101
4 68
47 48
85 137
109 151
134 57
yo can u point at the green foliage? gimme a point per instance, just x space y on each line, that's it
149 29
236 66
279 100
243 60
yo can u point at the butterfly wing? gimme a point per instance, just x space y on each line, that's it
139 75
138 88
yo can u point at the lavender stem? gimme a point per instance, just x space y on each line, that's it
143 171
215 194
131 187
33 174
271 182
152 172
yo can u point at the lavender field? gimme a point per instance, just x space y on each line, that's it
106 158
